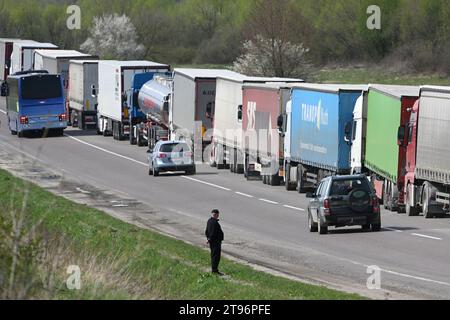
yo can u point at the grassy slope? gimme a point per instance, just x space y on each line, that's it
377 75
121 261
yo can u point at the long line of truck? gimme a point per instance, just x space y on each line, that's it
282 131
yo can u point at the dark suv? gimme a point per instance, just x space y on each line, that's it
342 201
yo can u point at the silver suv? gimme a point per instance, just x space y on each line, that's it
341 201
171 156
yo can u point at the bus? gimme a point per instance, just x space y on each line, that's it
35 102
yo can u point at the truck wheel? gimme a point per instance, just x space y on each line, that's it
426 202
300 181
132 137
410 210
274 180
80 121
139 141
288 185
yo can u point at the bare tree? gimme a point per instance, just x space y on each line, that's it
113 37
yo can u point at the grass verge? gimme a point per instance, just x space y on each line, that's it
42 234
379 75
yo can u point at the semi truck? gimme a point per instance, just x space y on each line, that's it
227 148
155 101
6 48
388 108
137 118
57 62
82 104
315 146
115 84
263 103
425 137
22 57
193 106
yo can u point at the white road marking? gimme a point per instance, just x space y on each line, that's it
2 111
207 183
425 236
294 208
397 273
392 229
82 191
107 151
268 201
244 194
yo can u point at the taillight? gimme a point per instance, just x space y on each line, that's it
23 120
162 156
63 117
326 207
375 205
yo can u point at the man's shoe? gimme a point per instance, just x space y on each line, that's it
218 273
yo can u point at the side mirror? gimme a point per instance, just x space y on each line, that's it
4 89
310 195
239 115
348 132
401 136
93 91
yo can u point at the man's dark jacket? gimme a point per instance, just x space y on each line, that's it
213 231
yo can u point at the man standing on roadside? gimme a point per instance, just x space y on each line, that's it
214 234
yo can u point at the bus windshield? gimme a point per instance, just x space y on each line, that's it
41 87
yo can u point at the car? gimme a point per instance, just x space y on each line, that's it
171 156
342 201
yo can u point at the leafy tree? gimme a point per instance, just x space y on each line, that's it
269 57
113 37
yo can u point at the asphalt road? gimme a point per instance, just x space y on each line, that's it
268 223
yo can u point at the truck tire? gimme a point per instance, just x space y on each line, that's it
132 137
274 180
80 121
219 157
120 135
426 202
411 211
139 139
288 185
300 181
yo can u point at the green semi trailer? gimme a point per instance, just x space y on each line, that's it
388 108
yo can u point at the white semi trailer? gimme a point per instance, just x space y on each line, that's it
22 57
82 104
115 84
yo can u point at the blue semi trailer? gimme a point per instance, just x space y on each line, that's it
314 130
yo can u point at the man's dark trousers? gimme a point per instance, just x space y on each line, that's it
216 250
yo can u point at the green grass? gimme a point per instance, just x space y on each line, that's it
121 261
377 75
